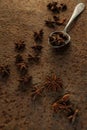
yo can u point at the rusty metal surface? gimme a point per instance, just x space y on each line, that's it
18 20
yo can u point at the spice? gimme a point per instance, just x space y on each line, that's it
22 67
73 115
56 18
53 7
33 59
58 39
53 83
38 37
24 83
55 22
50 23
20 46
63 7
19 58
37 48
59 21
4 71
36 92
62 104
57 8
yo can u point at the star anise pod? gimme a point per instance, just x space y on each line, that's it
22 67
24 83
20 46
33 59
38 37
50 23
4 71
53 83
61 21
72 116
37 48
19 58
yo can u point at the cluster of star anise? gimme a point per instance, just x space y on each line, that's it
56 8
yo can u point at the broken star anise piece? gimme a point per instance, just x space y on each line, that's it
61 21
20 46
62 104
4 71
49 23
24 83
53 83
22 67
56 18
36 92
38 37
63 7
37 48
73 115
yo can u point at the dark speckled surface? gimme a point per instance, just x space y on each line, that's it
18 20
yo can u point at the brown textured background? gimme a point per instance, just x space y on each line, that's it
18 20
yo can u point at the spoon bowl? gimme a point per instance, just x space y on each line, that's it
67 41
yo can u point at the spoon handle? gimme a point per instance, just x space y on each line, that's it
78 9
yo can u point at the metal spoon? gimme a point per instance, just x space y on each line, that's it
78 10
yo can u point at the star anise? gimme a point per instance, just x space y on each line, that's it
19 58
33 59
22 67
20 46
4 71
37 48
53 83
38 37
24 83
50 23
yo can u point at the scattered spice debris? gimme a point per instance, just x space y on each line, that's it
53 83
58 39
24 83
4 71
20 46
38 37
